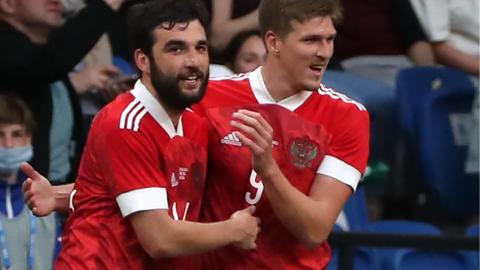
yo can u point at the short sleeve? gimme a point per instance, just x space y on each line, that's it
434 17
131 165
348 152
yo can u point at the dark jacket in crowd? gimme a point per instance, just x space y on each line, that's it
27 69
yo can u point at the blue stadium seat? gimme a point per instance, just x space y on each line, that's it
365 258
473 230
415 84
473 256
410 258
403 226
355 210
126 67
424 259
435 106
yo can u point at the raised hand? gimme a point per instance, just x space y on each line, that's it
38 193
255 133
247 227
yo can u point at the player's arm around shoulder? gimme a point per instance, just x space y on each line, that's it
162 236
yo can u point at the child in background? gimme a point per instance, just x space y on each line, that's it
25 241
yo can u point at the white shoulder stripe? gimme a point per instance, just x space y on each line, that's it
233 77
323 90
132 114
142 113
126 111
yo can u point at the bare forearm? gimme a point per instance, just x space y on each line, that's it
193 238
450 56
161 236
62 197
224 32
421 53
299 213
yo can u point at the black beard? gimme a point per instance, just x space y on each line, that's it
167 88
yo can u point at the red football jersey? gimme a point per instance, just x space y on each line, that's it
134 160
328 133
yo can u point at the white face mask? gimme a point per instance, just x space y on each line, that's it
11 158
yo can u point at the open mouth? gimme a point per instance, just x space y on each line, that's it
317 68
191 81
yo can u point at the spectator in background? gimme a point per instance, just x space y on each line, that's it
453 28
245 52
376 39
379 37
230 17
95 78
36 57
25 243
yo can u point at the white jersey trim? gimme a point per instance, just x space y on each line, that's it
338 169
262 95
324 90
142 199
130 114
149 102
233 77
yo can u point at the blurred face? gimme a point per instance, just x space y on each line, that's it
250 55
46 14
306 51
179 68
14 135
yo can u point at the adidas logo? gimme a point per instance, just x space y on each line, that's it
231 139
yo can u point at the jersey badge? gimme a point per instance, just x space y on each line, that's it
302 152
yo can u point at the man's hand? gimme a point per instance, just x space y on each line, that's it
256 134
38 193
93 77
247 227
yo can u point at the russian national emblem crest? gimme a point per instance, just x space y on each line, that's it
302 152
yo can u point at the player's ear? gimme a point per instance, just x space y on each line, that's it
142 61
272 42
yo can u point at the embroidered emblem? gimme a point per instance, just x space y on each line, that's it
302 152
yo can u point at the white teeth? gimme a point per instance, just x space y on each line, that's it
192 78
